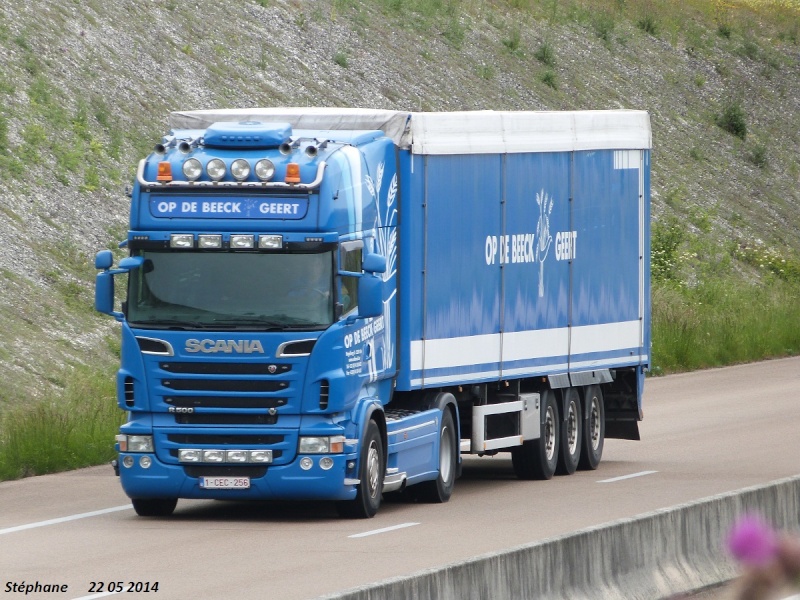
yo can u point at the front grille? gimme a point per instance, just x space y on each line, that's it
193 440
221 471
213 368
225 402
225 385
225 419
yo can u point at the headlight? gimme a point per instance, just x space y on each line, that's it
321 445
135 443
265 170
192 169
215 169
240 169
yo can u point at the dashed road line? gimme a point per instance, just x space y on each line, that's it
86 515
384 530
631 476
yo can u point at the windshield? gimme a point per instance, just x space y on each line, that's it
232 290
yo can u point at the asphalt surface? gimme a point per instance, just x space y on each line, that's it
704 433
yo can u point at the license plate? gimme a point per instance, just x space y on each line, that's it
225 483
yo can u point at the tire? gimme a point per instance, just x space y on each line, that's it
569 453
594 428
154 507
371 471
537 459
440 489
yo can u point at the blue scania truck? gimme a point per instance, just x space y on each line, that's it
335 304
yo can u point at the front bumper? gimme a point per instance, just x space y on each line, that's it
279 482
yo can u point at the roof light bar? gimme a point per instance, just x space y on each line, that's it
270 242
241 241
182 241
208 241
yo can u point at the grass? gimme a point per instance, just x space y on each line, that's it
723 322
62 431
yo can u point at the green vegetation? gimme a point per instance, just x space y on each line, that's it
721 322
65 430
732 119
719 319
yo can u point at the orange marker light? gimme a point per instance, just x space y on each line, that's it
293 173
164 171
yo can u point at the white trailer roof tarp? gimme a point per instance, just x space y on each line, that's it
468 132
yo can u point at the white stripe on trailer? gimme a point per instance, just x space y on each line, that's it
522 345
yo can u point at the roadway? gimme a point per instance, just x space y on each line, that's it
704 433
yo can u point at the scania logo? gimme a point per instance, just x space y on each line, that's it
227 346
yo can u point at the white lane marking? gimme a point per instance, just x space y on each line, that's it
631 476
103 595
384 530
86 515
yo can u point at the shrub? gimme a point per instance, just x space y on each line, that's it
648 24
545 55
340 58
513 43
549 79
604 26
666 239
732 119
758 156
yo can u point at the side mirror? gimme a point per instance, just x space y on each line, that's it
130 263
104 259
104 293
104 281
370 296
374 263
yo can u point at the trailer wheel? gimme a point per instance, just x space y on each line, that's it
594 429
372 467
569 453
537 459
154 507
440 489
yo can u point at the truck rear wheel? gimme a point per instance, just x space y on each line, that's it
569 453
537 459
594 428
371 470
440 489
154 507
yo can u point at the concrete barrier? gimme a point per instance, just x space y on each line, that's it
649 557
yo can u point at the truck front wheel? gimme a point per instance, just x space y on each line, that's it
154 507
372 466
440 489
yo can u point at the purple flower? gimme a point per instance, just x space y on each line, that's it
752 541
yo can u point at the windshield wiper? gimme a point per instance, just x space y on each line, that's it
170 324
249 323
274 322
